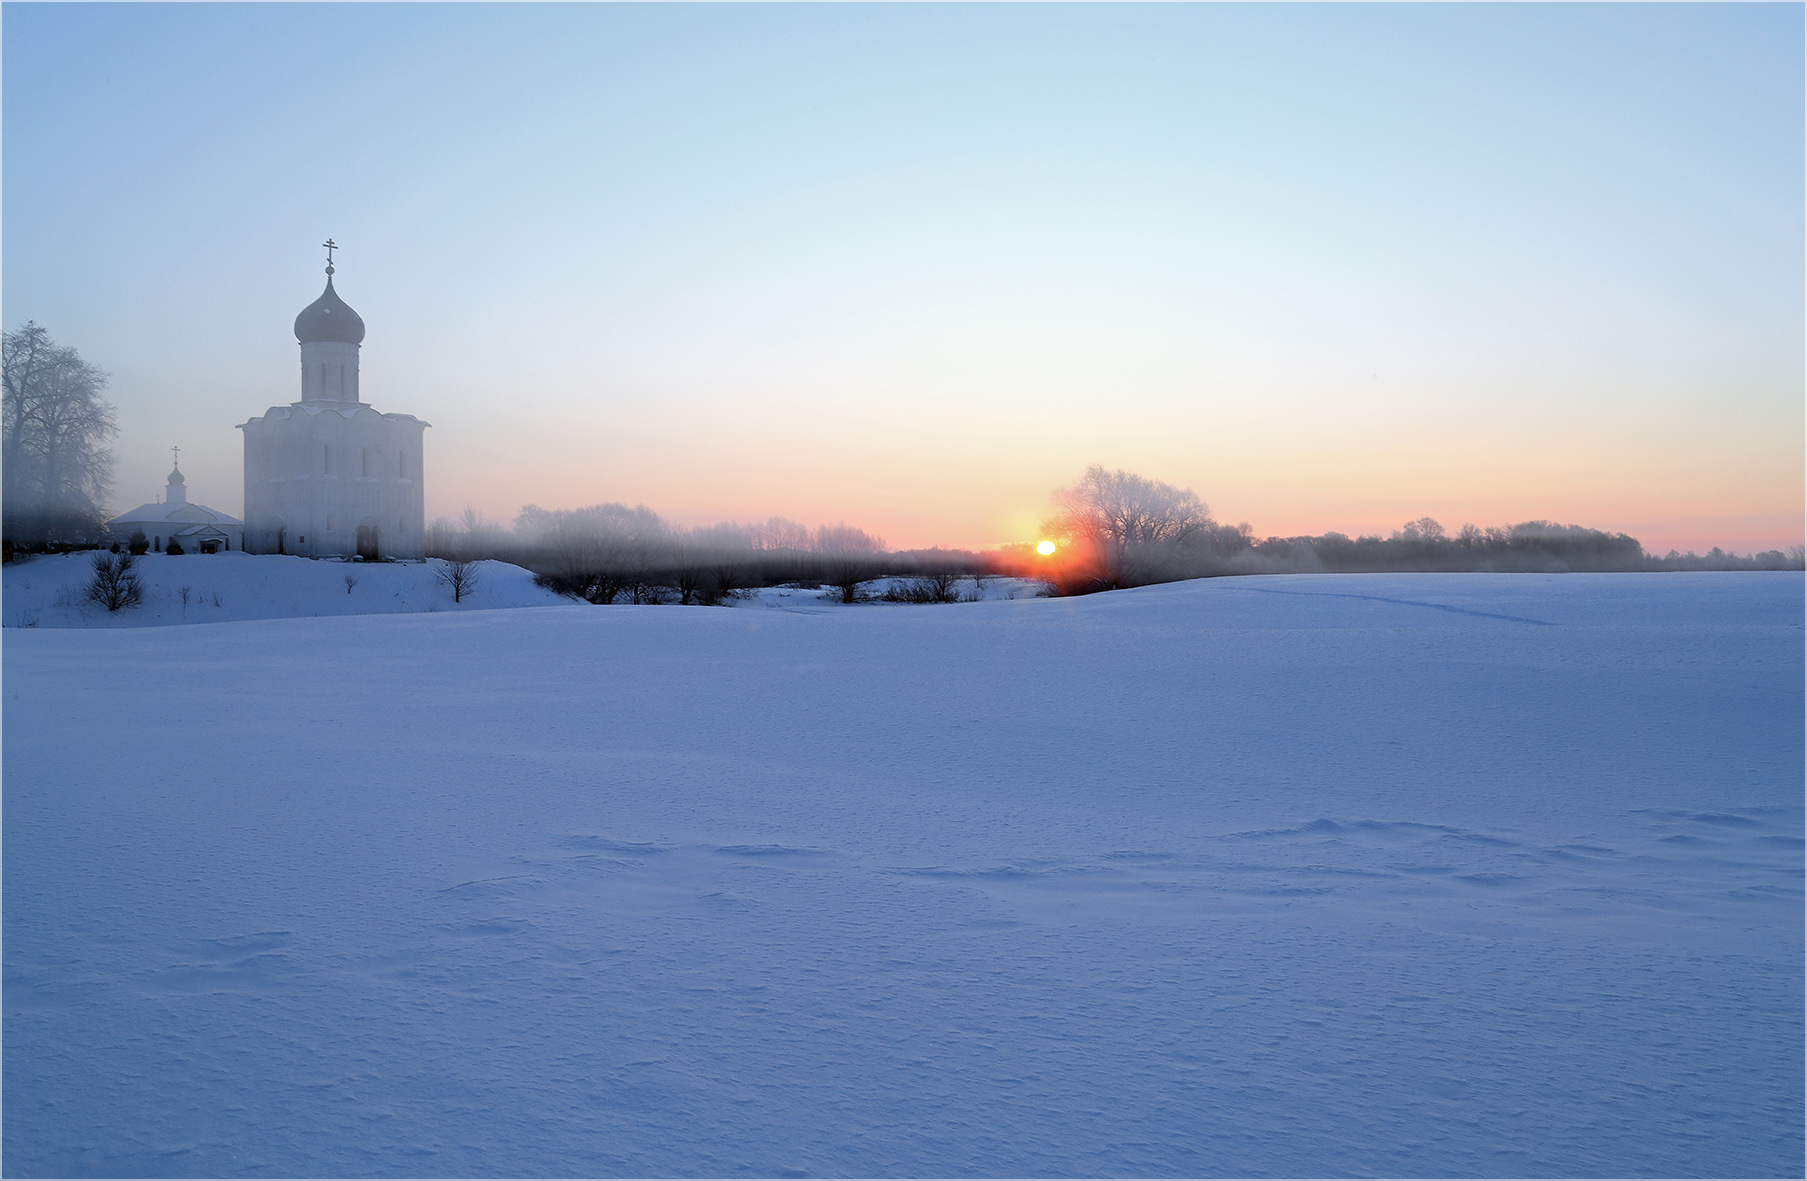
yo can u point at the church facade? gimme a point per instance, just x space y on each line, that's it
330 476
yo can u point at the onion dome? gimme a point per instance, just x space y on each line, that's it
175 477
329 318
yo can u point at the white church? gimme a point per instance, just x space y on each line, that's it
330 476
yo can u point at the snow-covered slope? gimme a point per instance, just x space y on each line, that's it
230 587
1402 875
222 588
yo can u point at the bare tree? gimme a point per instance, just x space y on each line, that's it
115 584
460 574
848 557
689 569
729 576
57 471
1136 530
598 552
478 536
442 538
1424 529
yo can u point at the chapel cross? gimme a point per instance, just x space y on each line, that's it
177 452
330 247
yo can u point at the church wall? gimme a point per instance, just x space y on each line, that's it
320 473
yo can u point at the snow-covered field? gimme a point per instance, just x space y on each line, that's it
1406 875
232 587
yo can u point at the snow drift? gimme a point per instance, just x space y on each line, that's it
1402 875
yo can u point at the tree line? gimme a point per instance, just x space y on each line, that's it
1117 529
1111 528
614 553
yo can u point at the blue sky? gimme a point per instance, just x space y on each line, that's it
1334 267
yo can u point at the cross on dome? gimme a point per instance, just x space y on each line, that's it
329 318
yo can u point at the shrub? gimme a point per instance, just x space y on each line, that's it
457 574
115 584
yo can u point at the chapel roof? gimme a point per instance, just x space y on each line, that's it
157 513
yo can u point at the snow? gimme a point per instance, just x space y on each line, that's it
231 587
1314 875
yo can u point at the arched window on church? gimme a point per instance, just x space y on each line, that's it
329 522
366 463
401 463
326 460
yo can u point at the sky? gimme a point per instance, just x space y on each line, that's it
914 267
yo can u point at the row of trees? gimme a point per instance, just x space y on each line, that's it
1111 529
56 472
1115 529
607 553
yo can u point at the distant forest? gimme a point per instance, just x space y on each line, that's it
1111 530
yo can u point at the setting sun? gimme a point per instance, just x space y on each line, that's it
1044 548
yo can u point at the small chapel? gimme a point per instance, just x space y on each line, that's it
175 524
330 476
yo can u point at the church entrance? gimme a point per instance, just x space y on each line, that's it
368 549
282 540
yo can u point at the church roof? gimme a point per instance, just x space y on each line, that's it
167 512
329 318
313 409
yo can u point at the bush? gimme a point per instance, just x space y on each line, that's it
457 574
174 550
114 585
138 543
937 586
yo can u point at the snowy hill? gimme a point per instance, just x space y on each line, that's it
230 587
1394 875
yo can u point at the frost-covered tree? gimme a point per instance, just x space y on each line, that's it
599 551
1423 529
54 463
848 557
1134 530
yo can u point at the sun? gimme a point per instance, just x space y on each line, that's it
1044 548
